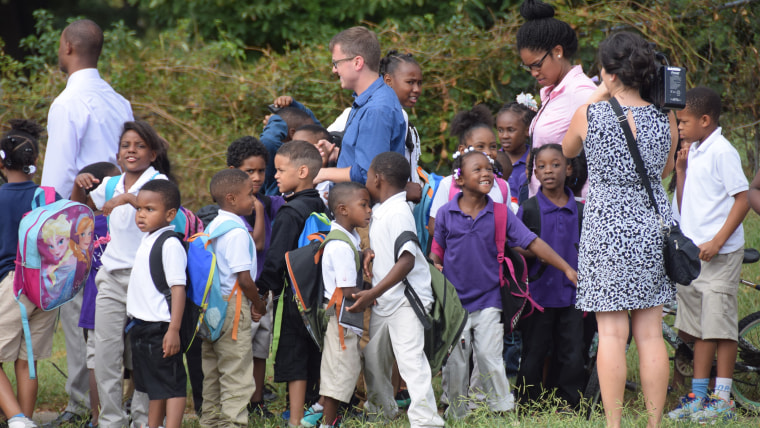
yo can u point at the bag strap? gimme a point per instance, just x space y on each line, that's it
500 229
156 266
634 149
453 189
411 295
339 235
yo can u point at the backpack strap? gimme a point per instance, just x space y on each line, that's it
156 265
337 297
43 195
500 230
504 187
411 295
453 189
111 184
532 220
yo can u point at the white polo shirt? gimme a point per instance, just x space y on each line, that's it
339 262
144 301
713 176
125 235
233 251
389 220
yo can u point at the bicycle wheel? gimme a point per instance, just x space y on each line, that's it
746 382
592 393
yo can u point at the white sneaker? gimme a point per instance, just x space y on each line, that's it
21 422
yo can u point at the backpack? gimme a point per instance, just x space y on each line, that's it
50 278
316 227
447 318
532 220
204 287
191 314
185 222
421 212
515 293
304 274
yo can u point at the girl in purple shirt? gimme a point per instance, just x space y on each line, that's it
556 328
465 249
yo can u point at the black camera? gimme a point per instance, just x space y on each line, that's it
669 89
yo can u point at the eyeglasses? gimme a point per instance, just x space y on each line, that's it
335 62
536 65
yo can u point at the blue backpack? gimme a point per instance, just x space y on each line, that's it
422 209
204 287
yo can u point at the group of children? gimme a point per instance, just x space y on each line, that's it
263 200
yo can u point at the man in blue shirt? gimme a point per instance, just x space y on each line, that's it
376 123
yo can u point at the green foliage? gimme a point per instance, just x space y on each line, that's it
201 95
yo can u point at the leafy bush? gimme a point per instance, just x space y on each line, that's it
201 95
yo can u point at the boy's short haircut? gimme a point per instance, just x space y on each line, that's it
704 101
295 117
393 167
100 170
318 131
302 153
342 193
244 148
224 182
359 41
169 192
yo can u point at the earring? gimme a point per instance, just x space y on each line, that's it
559 56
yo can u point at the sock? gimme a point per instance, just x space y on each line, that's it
20 415
318 408
723 387
699 387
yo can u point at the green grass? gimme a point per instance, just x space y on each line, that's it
52 396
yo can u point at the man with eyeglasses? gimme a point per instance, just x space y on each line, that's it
376 123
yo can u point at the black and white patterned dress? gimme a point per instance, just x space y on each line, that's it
620 263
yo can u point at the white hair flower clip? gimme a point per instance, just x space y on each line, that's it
490 159
457 173
2 154
527 100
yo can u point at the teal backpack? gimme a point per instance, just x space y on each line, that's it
204 288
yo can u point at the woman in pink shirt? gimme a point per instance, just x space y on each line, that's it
546 46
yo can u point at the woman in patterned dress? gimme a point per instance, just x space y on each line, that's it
620 266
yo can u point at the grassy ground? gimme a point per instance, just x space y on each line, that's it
52 396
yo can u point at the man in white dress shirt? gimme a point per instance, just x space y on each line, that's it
84 126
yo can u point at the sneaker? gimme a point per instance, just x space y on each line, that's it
689 405
311 417
268 394
402 399
286 415
21 422
716 409
259 410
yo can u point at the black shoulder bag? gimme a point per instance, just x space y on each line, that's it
681 256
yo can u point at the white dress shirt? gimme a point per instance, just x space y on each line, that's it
84 126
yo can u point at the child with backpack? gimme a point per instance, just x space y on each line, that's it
464 248
87 315
555 216
19 149
159 370
297 358
143 157
342 277
228 361
394 327
474 128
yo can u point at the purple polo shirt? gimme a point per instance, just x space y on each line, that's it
518 177
468 250
277 202
559 228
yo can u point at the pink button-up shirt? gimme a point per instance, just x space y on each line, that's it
558 104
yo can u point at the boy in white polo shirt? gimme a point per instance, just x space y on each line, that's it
158 366
712 200
341 357
228 362
394 328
